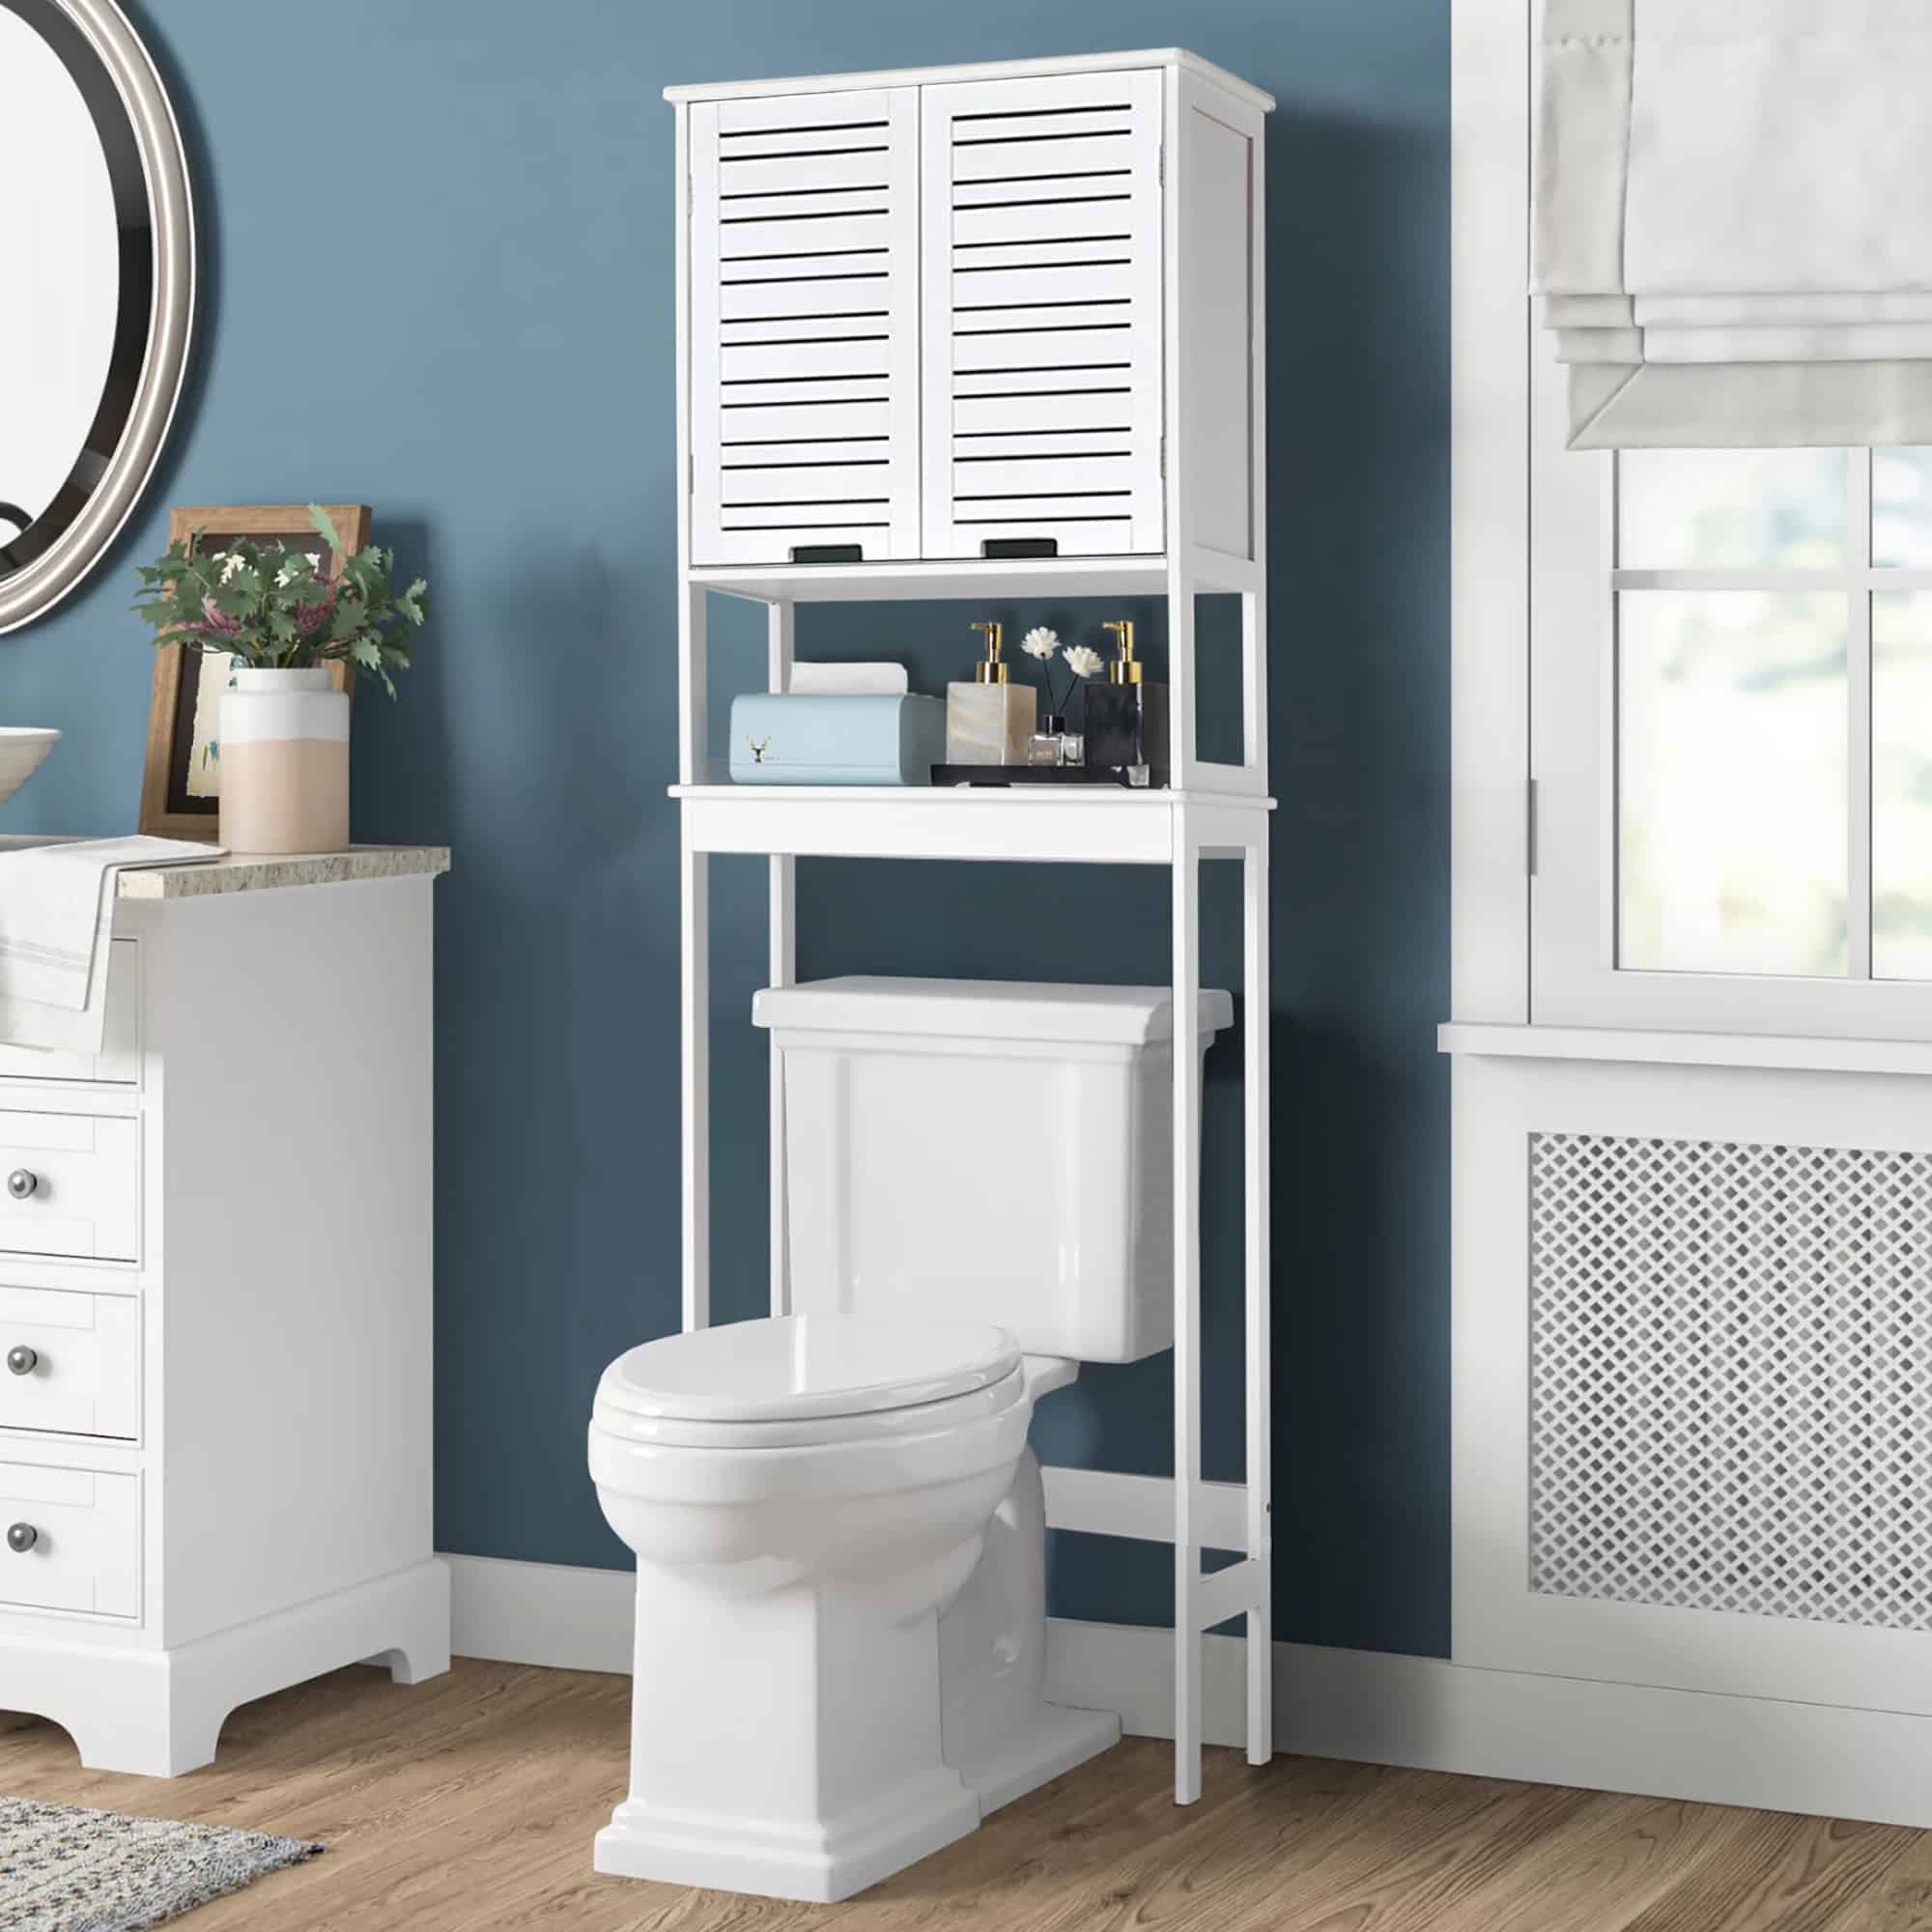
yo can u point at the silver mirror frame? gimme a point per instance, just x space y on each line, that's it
35 590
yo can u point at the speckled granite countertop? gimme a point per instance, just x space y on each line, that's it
244 872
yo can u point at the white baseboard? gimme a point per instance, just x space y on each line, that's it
1416 1711
550 1613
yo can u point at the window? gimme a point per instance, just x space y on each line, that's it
1732 738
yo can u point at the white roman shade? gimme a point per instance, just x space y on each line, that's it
1732 229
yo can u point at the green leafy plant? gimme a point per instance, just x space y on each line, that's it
272 606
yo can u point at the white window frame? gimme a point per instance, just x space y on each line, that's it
1534 617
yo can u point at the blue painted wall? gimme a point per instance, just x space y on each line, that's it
442 286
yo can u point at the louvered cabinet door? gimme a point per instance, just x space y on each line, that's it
805 328
1043 316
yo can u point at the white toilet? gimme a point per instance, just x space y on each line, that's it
838 1526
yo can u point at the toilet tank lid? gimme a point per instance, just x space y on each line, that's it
985 1010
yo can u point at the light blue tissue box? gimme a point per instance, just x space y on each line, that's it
787 738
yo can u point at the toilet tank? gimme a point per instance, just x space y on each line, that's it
984 1149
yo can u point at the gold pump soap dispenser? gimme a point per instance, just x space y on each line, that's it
989 721
1126 718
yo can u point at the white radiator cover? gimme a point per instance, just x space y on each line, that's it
1730 1405
1692 1374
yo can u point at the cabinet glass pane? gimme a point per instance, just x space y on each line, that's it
1902 509
1731 782
1731 509
1902 785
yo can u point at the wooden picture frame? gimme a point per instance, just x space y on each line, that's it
169 808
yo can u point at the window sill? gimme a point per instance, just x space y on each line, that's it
1783 1052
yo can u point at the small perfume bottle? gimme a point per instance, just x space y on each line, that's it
1126 718
1053 745
989 721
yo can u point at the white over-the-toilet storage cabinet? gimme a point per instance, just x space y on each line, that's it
997 332
927 321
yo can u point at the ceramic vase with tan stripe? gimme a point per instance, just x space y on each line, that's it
284 760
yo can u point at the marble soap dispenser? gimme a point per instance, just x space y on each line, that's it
1126 718
988 722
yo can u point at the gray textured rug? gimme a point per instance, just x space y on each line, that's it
63 1869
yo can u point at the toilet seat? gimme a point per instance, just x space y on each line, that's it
781 1381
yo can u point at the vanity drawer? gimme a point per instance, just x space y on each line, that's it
119 1061
80 1176
82 1528
70 1361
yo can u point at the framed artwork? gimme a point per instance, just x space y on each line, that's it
180 787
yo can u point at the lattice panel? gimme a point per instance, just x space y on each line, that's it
1731 1378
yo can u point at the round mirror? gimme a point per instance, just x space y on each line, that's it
98 289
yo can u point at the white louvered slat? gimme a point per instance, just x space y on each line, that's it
803 425
1042 314
1034 478
1001 349
1101 248
1070 409
806 293
805 326
1006 445
746 331
803 453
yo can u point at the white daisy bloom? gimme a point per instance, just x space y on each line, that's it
1082 662
1041 643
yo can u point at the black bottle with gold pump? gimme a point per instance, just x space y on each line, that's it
1126 718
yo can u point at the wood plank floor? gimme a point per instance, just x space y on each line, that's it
470 1801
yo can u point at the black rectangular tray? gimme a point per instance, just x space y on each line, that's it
1037 775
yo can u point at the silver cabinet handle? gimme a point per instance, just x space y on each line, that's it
22 1182
22 1361
21 1538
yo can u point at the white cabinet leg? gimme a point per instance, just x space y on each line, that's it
1186 883
163 1734
694 1026
1256 1014
781 970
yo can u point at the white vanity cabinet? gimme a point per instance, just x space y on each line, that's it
934 317
214 1310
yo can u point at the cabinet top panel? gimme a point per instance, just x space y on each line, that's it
1018 70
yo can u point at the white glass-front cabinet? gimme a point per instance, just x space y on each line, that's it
930 320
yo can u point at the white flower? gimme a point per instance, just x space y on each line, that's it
1082 662
230 561
289 572
1041 643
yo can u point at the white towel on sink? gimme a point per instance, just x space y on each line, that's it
56 917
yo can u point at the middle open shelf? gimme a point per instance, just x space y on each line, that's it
1044 824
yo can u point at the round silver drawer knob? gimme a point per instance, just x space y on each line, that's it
22 1361
22 1182
21 1538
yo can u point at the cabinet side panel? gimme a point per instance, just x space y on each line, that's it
294 1032
1216 254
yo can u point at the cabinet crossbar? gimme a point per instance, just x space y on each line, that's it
1228 1593
1104 1502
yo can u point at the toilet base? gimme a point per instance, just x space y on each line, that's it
1056 1739
818 1866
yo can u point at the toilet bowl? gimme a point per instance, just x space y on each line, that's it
840 1529
805 1497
